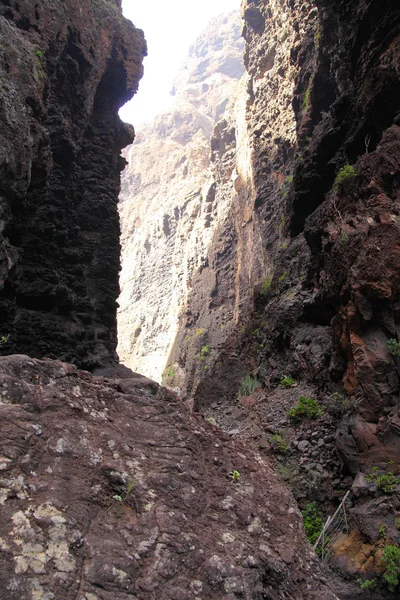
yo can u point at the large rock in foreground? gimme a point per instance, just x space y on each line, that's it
111 491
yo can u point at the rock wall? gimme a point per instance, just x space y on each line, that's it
66 67
167 207
302 278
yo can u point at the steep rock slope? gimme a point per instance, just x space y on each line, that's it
66 68
111 490
167 199
303 278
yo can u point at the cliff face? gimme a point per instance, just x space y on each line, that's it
167 205
302 278
66 68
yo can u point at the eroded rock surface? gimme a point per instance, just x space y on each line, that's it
66 67
303 276
167 203
111 490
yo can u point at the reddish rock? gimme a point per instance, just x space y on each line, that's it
111 490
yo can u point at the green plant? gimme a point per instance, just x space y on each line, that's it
339 405
279 443
383 531
283 277
391 558
306 408
248 385
234 475
265 286
312 521
255 332
4 339
393 347
386 482
366 584
205 351
124 496
289 472
39 54
200 332
346 172
397 522
306 99
168 376
289 179
287 381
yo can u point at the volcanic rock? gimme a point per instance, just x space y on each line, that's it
111 490
66 67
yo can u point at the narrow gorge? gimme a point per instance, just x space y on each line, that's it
258 250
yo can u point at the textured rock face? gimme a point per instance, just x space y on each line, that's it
253 153
167 207
303 277
111 490
66 68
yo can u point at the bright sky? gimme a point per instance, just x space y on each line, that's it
170 27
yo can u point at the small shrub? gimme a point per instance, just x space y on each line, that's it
205 351
346 172
283 277
168 376
287 381
289 472
366 584
248 385
266 286
391 558
278 443
386 482
306 100
312 521
393 347
383 531
234 476
4 339
200 332
39 54
306 408
340 406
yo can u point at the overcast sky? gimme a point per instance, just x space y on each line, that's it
170 27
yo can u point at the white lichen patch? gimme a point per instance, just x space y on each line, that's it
120 575
95 458
5 463
58 549
38 593
228 537
3 545
38 547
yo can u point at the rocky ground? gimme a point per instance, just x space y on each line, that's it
111 489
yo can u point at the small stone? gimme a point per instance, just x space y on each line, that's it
303 445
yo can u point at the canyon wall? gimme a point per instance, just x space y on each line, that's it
302 278
167 208
66 67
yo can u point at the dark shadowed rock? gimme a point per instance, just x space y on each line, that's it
66 67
